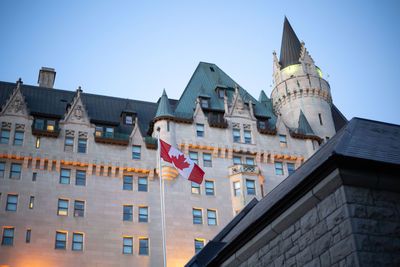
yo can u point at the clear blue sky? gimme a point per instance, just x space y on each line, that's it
134 49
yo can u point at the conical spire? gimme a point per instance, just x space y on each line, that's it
263 97
164 109
304 127
290 47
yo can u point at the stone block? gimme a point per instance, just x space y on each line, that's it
313 263
340 196
345 228
389 228
288 232
263 250
253 260
357 210
305 240
321 245
279 261
309 220
320 229
291 262
325 259
352 260
275 242
270 256
375 259
292 252
336 217
285 245
358 195
385 198
385 213
341 249
296 235
326 206
368 226
303 256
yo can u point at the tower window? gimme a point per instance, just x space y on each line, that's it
320 118
212 69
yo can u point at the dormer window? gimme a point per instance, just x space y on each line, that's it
45 124
221 93
104 131
128 119
205 103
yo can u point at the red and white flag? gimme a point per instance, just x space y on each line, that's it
185 166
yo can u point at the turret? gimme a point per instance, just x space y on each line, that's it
299 87
163 120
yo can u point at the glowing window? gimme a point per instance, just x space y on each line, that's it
62 209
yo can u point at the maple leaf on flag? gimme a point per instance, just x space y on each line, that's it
180 162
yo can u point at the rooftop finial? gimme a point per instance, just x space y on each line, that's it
236 88
19 82
79 90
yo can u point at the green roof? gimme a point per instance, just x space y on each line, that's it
304 127
163 109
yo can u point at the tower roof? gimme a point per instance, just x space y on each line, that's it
290 47
164 109
304 127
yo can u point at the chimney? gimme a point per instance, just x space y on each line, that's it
46 77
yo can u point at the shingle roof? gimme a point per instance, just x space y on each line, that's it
290 47
303 126
164 108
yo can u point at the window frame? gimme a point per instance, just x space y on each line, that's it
60 208
195 188
207 162
236 135
192 158
247 139
197 218
290 168
198 248
2 168
8 240
210 191
12 204
236 189
126 184
126 245
63 177
279 170
252 189
13 171
3 137
127 215
20 140
200 130
61 241
82 146
69 144
214 212
141 186
250 161
282 140
31 202
77 242
28 235
135 154
79 211
237 158
144 246
143 217
78 180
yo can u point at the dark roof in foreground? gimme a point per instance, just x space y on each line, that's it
361 141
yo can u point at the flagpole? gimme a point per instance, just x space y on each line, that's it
161 199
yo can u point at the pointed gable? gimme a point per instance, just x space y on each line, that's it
290 47
303 126
77 112
16 105
164 108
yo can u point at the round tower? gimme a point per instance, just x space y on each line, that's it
299 86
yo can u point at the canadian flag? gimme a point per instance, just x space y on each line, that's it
186 167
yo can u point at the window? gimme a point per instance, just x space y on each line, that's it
77 241
221 93
12 201
250 161
198 245
236 135
200 130
128 244
143 214
207 160
28 236
143 246
142 184
197 216
290 168
210 188
320 118
51 125
236 188
8 236
18 138
205 103
80 178
31 202
62 207
251 188
69 144
128 210
128 119
278 168
135 152
82 145
65 175
282 140
193 157
247 137
2 167
37 143
5 136
127 183
34 175
61 240
237 160
262 125
15 171
212 217
79 208
195 188
109 132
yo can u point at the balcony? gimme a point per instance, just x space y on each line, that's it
244 169
111 138
46 131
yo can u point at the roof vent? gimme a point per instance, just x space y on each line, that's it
47 77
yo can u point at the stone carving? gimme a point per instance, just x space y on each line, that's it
246 126
242 168
19 126
78 113
17 105
83 135
6 125
69 133
236 125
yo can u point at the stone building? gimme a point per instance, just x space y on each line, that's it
79 178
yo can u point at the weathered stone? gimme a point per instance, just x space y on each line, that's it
358 195
320 229
345 228
336 217
375 259
253 260
340 196
362 242
297 225
326 206
335 230
305 240
291 262
389 228
270 255
358 211
296 235
313 263
285 245
274 242
292 252
386 213
321 245
279 261
341 249
309 220
351 260
361 226
342 263
262 251
288 232
336 238
325 259
303 256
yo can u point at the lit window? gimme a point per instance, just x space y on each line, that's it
128 119
2 167
236 188
198 245
34 175
200 130
212 217
79 208
250 161
82 145
69 144
193 157
278 168
61 240
142 184
8 236
65 175
207 160
210 188
236 135
51 125
127 183
37 143
128 244
77 241
62 207
18 138
135 152
143 214
31 202
143 246
28 236
197 217
251 189
290 168
204 103
247 137
237 160
80 178
12 201
99 131
128 211
282 140
195 188
15 171
5 136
